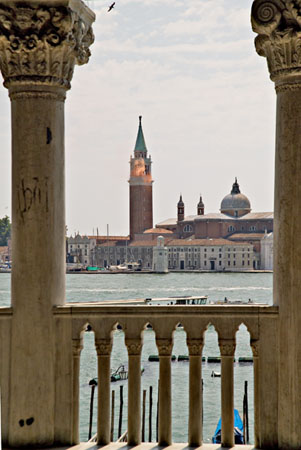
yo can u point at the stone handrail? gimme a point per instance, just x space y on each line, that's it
71 321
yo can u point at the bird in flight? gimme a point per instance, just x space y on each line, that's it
111 7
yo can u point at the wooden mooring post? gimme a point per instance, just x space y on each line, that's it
93 384
120 412
246 414
112 415
143 416
150 414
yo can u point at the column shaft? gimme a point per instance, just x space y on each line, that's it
227 401
38 254
195 400
77 347
104 402
165 401
134 400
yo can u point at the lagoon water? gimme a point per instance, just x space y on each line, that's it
234 286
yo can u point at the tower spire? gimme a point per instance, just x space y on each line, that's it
140 145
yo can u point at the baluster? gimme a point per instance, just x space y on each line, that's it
255 349
77 346
164 348
227 349
195 347
134 347
103 348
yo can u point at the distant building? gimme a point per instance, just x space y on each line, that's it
234 222
267 252
160 256
81 250
141 189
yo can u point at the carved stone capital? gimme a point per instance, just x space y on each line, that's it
195 346
164 346
255 347
103 347
134 346
227 347
278 24
77 346
40 42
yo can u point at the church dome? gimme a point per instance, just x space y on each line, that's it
235 204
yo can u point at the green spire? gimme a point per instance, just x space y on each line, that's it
140 142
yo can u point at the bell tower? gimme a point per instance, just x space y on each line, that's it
181 207
141 187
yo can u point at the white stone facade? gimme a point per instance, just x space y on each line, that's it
267 252
160 256
81 250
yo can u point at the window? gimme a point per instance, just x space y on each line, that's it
187 229
248 263
252 228
228 255
234 256
234 263
205 256
219 249
220 255
243 255
228 263
243 263
212 249
205 263
219 263
205 249
231 228
189 249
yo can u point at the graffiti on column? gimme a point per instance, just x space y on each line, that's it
33 193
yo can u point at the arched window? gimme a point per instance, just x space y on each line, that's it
252 228
187 229
231 228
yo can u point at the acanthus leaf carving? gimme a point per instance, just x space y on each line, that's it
103 347
164 346
134 346
255 347
278 24
41 41
227 347
195 347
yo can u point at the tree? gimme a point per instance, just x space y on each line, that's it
5 227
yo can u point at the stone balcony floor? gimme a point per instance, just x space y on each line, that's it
145 446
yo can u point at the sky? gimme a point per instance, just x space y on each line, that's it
208 107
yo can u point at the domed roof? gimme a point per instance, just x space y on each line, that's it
235 203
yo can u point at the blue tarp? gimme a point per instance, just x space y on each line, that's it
238 430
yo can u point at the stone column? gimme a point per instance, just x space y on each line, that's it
278 24
104 348
77 346
134 347
195 432
165 348
255 348
40 42
227 349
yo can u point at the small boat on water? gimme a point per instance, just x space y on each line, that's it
238 430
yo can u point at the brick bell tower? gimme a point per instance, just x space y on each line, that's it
141 187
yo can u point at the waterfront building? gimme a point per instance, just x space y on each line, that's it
81 250
267 251
234 222
160 256
210 254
